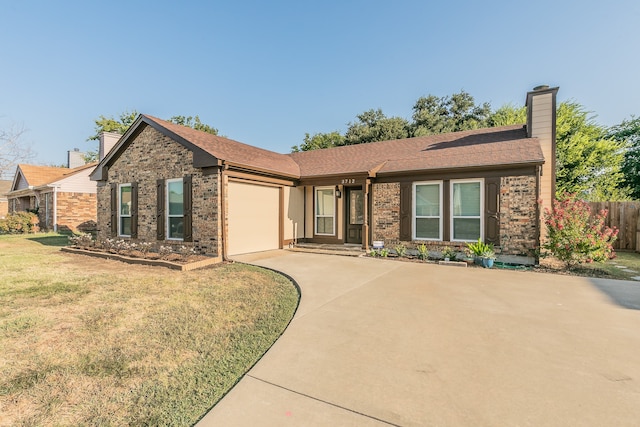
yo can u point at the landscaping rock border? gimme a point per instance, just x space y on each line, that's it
142 261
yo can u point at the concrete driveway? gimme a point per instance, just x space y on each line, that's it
379 342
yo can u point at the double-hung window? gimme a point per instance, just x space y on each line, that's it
427 210
466 210
124 210
325 211
175 209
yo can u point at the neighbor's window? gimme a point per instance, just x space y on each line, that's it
175 209
124 210
427 210
466 210
325 211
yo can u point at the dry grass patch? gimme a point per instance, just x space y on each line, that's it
98 342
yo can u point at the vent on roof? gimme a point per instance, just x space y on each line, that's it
541 87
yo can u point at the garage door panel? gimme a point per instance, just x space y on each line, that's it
253 218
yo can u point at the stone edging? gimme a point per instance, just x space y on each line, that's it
141 261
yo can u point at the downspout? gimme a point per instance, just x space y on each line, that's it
55 208
365 226
223 210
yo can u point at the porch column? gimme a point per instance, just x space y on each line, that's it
365 225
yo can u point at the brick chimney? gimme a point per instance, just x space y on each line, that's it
541 124
107 141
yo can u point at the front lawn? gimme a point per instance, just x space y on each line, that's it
86 341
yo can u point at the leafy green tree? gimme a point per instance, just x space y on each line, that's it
194 123
373 126
434 115
318 141
628 133
588 164
507 115
109 124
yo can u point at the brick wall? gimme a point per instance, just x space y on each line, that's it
76 211
518 223
152 156
518 202
4 208
385 221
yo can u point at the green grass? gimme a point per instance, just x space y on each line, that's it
630 260
87 341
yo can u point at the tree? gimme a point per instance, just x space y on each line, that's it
194 123
507 115
433 115
126 119
588 164
318 141
628 133
374 126
12 150
109 124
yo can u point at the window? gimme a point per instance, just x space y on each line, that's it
427 210
175 209
466 210
124 210
325 211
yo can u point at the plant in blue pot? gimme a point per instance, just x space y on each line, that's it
488 257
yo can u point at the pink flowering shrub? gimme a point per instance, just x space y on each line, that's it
574 235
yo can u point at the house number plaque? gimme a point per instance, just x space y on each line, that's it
348 181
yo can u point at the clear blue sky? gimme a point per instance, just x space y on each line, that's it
266 72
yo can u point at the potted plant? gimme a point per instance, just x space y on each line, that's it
478 248
488 257
448 253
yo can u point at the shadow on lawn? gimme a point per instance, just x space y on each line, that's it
51 240
623 293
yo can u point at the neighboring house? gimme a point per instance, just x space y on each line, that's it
171 184
5 186
64 199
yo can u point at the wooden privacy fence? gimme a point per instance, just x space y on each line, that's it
623 216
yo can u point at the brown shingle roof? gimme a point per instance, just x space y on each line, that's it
481 147
41 175
233 151
5 187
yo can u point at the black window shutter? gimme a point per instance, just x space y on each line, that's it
405 211
187 206
492 210
134 210
114 209
160 220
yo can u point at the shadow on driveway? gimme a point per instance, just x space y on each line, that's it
623 293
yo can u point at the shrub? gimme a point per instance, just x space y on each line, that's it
84 240
449 252
19 222
401 250
574 235
423 252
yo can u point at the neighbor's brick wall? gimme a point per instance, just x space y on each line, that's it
76 212
4 208
518 202
518 223
152 156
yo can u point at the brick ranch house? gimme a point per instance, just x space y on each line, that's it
64 198
171 184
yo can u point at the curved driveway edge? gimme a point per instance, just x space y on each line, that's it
379 342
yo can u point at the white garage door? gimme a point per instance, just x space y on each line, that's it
254 218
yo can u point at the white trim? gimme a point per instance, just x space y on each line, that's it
167 215
481 216
413 211
120 186
315 211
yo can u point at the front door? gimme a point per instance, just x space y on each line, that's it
354 200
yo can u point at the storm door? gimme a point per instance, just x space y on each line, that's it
354 201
